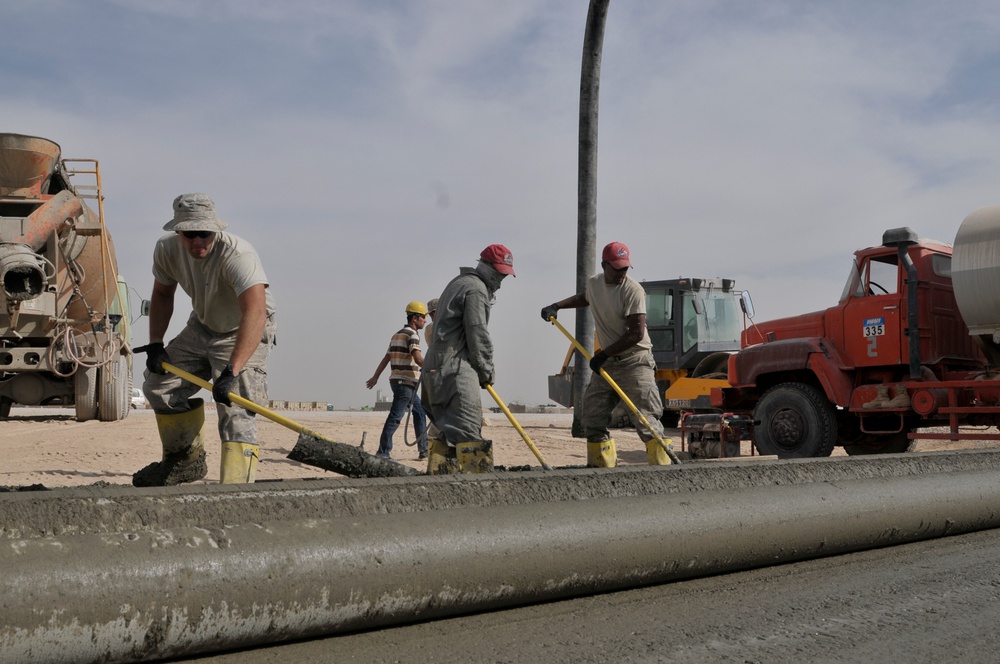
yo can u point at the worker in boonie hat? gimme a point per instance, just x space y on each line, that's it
618 303
405 358
227 339
459 364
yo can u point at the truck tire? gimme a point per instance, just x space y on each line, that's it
115 395
5 405
795 420
85 393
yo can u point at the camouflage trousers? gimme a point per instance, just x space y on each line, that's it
635 374
204 353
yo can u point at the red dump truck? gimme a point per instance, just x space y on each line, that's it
64 315
913 342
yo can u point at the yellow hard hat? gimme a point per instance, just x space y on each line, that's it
416 307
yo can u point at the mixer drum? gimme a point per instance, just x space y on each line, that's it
975 269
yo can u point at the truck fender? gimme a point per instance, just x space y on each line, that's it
785 355
835 382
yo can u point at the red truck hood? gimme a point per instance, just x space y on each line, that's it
793 327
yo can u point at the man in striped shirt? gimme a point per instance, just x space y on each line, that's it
405 358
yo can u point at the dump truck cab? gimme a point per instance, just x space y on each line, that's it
807 378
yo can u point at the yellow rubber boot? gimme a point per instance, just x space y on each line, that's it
239 463
183 449
656 453
475 457
602 455
441 459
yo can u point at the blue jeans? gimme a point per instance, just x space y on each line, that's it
402 395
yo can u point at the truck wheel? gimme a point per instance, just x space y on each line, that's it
114 395
85 393
795 421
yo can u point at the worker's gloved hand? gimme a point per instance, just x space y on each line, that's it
156 355
597 361
549 312
224 385
485 378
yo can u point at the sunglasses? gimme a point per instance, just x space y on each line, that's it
201 234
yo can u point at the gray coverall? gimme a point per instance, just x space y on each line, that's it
460 358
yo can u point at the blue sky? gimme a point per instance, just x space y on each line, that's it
369 149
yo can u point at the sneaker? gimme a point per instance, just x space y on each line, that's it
423 455
382 455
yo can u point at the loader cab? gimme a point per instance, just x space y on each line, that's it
690 319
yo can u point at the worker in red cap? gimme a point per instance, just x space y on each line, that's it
459 363
618 303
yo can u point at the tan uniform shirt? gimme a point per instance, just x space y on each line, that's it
215 282
611 305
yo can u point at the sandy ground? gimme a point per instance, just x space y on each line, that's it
48 446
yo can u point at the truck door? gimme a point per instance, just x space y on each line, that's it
873 314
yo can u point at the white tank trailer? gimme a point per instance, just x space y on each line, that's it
64 314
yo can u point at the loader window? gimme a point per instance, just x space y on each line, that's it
715 324
659 307
660 319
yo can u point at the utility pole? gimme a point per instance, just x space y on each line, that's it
586 228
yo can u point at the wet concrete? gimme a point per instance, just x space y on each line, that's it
135 596
108 509
348 460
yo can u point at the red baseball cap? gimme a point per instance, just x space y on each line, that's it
500 258
616 253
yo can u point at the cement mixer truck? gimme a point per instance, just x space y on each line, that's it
913 342
64 315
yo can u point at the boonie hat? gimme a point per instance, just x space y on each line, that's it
500 258
617 254
194 212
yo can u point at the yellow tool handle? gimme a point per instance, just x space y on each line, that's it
510 416
614 385
238 400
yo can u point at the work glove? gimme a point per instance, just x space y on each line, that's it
597 361
224 385
549 312
156 355
485 378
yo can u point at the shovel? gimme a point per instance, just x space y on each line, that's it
506 411
312 448
667 447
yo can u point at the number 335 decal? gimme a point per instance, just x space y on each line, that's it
873 329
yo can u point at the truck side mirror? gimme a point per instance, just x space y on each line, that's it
144 308
746 304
